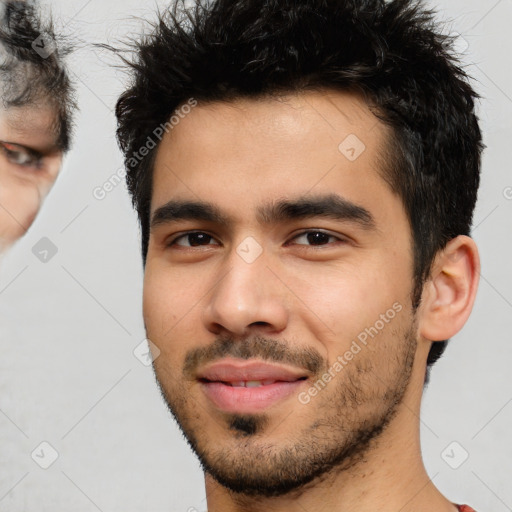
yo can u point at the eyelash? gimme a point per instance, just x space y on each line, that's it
303 233
35 162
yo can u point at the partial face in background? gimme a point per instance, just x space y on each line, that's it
275 245
29 164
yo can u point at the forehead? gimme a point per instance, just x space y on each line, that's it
263 149
30 125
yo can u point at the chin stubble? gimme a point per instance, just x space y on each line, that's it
249 466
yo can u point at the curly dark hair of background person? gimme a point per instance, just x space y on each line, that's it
29 78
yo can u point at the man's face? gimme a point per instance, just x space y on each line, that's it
279 263
29 165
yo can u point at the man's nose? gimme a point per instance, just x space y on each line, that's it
248 297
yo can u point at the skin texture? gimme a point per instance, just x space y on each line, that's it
23 188
355 445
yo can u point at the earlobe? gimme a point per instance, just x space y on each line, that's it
449 294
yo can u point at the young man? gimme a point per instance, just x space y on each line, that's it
35 115
305 175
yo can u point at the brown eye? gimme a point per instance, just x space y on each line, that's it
315 238
20 155
193 239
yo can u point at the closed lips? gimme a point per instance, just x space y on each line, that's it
241 386
248 373
251 383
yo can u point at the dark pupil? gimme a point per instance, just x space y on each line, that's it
199 239
317 238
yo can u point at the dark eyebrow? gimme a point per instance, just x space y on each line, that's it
187 210
329 206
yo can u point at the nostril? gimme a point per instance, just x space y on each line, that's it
259 324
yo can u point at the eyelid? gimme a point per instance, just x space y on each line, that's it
35 156
170 241
338 236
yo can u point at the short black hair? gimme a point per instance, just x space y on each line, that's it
392 52
35 78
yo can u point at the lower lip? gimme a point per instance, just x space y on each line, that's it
248 400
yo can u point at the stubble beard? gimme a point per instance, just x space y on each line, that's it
352 412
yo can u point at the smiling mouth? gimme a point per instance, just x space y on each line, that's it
249 386
250 383
249 396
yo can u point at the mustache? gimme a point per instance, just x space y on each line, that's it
268 349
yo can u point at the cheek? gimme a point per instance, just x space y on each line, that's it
156 306
159 320
170 304
350 298
20 203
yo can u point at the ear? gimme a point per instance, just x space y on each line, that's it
449 294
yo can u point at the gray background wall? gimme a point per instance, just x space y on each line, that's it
69 326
